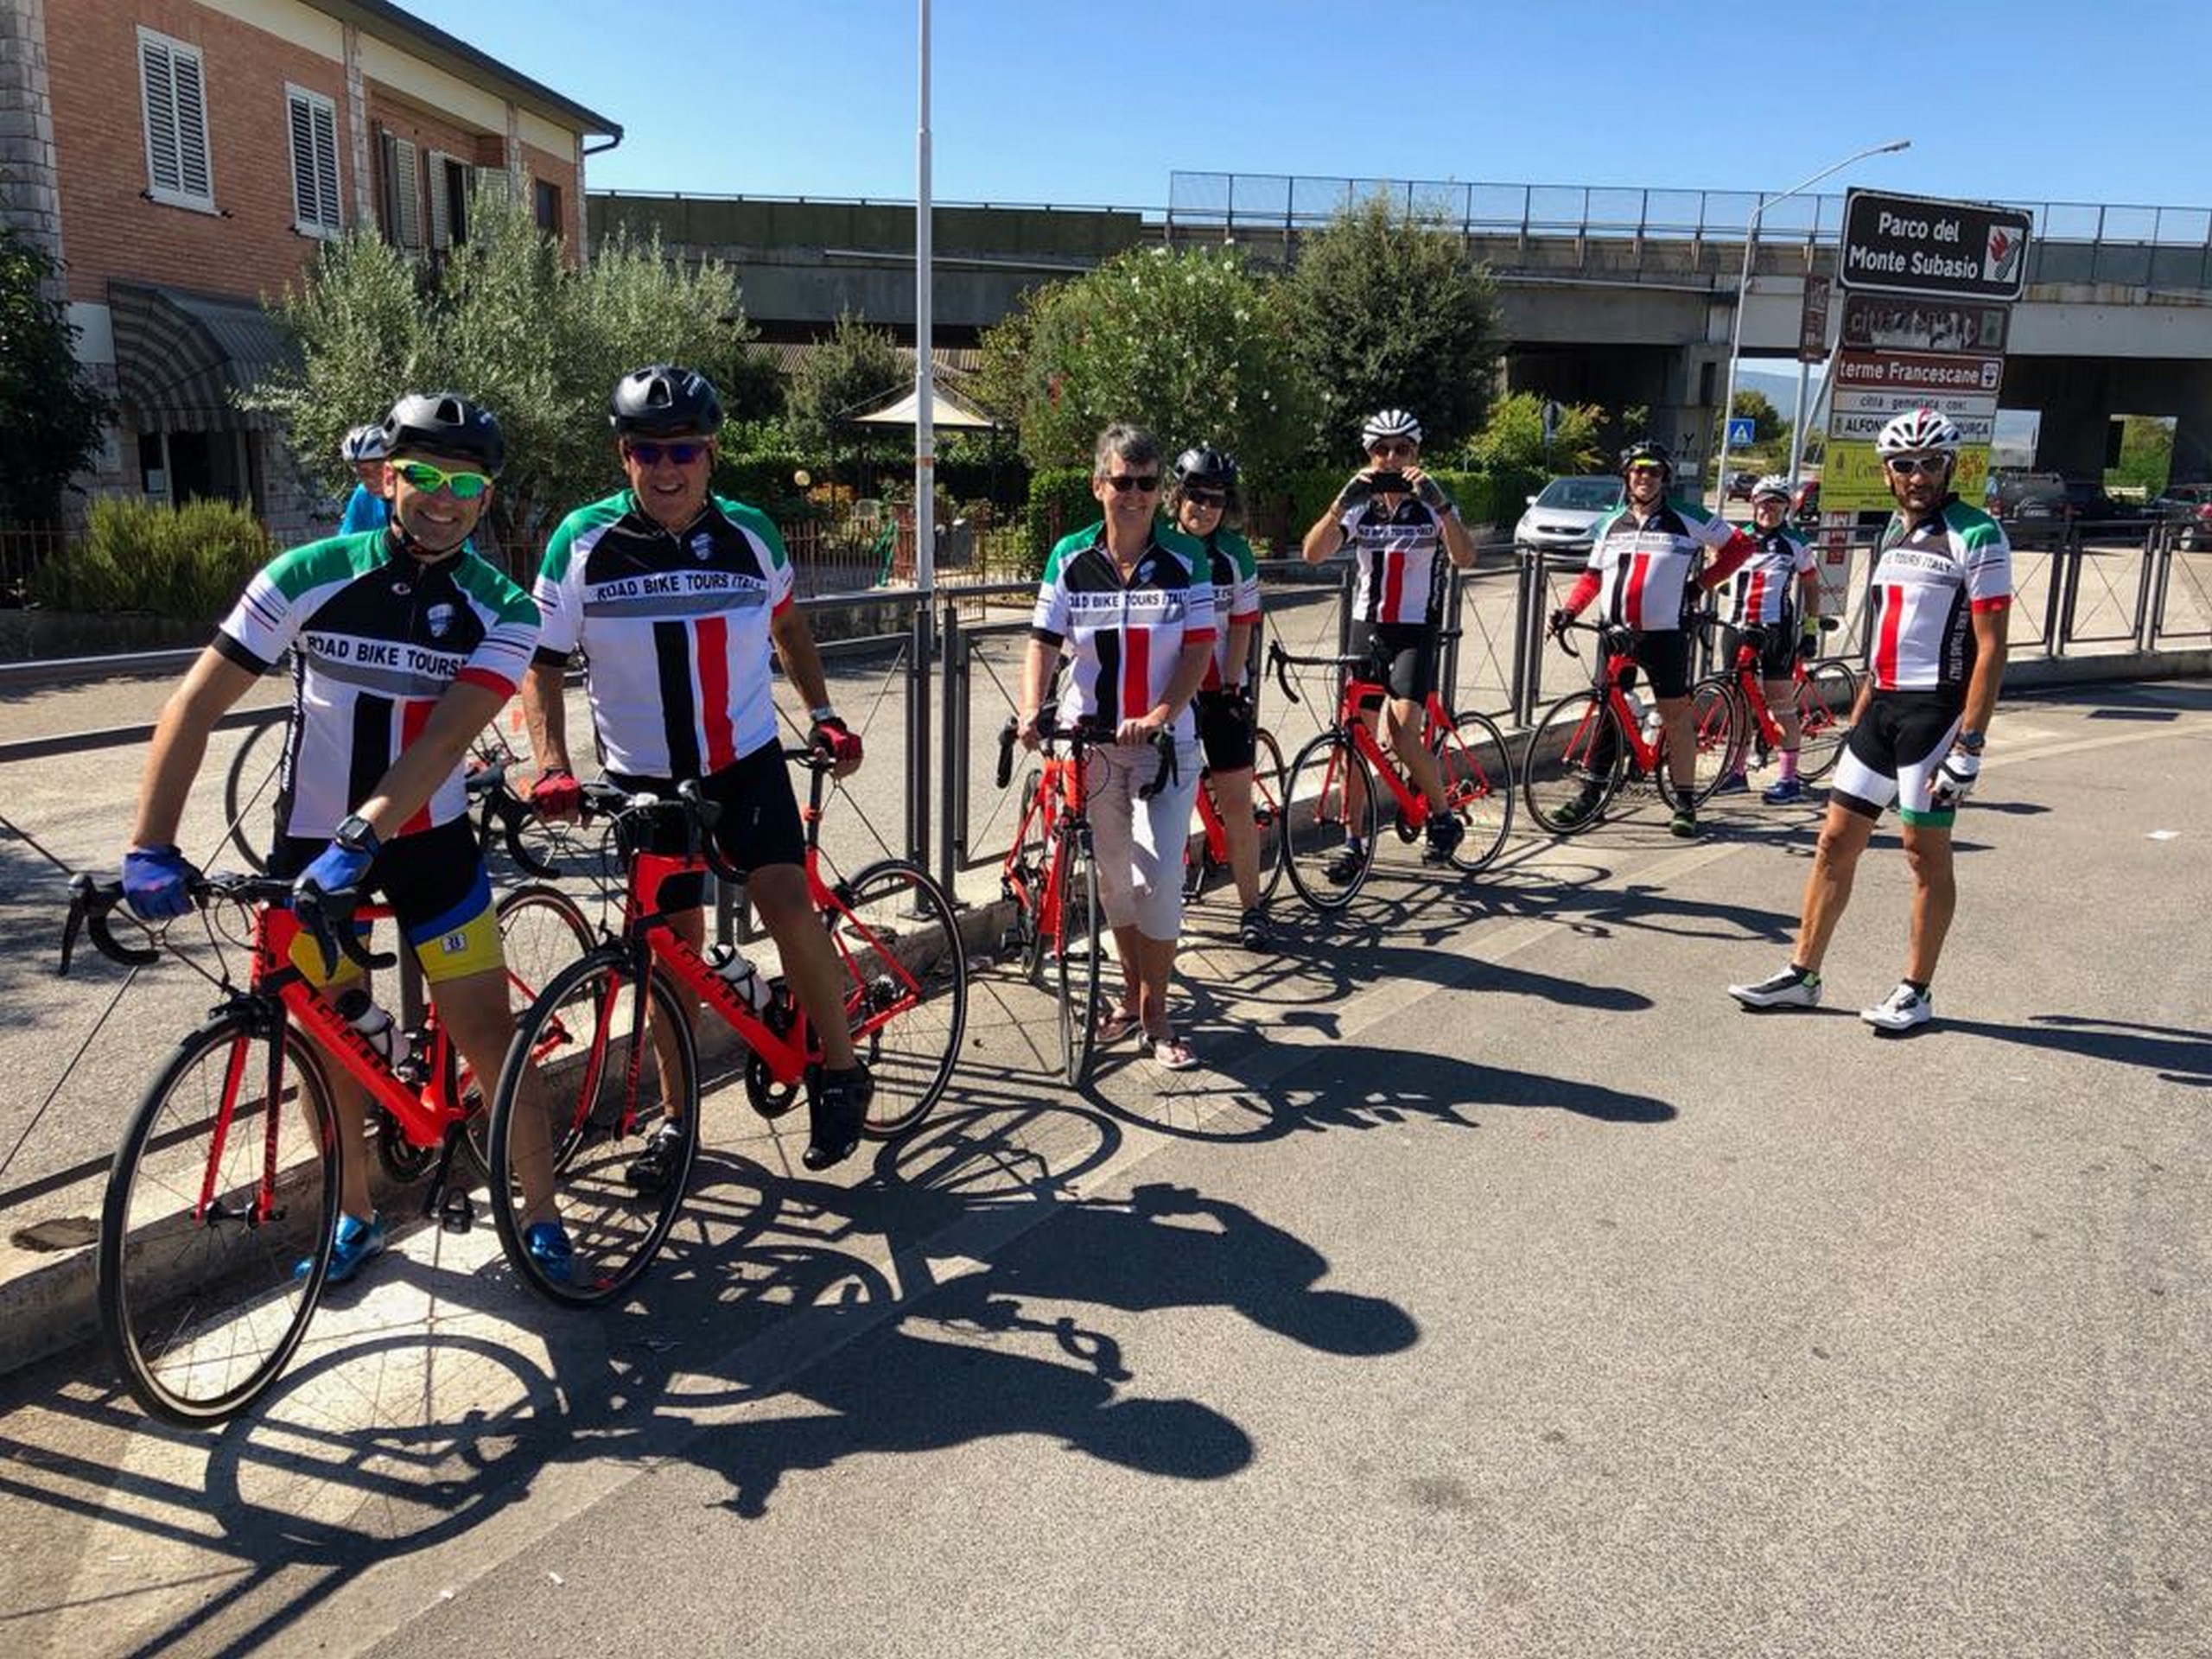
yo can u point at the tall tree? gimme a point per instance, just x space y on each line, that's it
858 364
51 414
1387 311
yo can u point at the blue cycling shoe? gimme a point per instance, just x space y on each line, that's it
1734 784
1787 792
546 1243
353 1242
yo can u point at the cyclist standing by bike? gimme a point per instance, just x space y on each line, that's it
1401 527
1644 556
405 644
1130 602
1206 505
1943 588
1759 597
676 598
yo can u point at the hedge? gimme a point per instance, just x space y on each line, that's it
190 562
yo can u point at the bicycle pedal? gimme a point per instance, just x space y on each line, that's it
457 1214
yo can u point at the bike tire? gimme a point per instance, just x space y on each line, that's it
1331 802
898 937
246 788
1270 818
1567 780
1077 948
1825 700
202 1309
578 1040
1717 725
1033 848
1478 772
542 931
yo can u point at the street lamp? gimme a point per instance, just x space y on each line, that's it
1743 295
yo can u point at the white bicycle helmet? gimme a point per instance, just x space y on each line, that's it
363 444
1772 484
1918 432
1389 424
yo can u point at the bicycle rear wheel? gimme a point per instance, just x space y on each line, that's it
1717 722
599 1093
1576 757
1825 699
217 1192
1477 773
249 797
541 932
1270 818
1331 799
1078 950
906 989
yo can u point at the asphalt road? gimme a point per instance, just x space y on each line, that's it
1497 1288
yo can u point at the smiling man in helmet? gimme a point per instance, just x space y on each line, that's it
1943 589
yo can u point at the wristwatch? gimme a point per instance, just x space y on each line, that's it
825 712
355 834
1971 741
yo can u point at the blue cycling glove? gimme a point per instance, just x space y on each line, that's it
337 869
155 882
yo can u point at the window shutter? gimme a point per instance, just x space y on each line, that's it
407 184
191 124
315 163
304 193
441 206
326 165
154 62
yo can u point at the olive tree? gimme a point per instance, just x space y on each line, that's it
51 414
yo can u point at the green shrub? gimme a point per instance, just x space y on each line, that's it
189 562
1060 501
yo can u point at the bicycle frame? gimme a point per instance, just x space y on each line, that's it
1644 755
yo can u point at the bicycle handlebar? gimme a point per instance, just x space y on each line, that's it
501 805
92 904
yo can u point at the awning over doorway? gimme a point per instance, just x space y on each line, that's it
180 356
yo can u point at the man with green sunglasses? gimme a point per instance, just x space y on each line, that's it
405 645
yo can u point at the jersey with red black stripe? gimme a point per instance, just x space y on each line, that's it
674 628
1236 597
1764 590
376 637
1644 570
1928 581
1122 639
1400 553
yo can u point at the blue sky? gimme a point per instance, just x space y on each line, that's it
2031 100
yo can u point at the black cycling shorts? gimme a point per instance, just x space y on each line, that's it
1778 658
1893 753
439 892
1666 657
1402 655
759 823
1226 730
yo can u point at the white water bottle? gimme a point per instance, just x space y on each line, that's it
374 1023
1652 727
1640 718
738 973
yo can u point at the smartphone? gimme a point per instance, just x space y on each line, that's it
1381 482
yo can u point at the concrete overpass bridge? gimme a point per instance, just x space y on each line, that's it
1614 297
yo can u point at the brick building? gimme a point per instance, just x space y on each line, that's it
183 158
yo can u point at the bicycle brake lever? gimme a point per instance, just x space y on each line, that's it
1005 774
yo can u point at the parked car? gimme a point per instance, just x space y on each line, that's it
2189 506
2010 495
1805 501
1739 486
1561 515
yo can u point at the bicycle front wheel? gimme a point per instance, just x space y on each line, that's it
1330 846
1576 757
1826 697
1079 947
594 1073
1477 773
225 1182
1270 815
248 793
906 988
1717 722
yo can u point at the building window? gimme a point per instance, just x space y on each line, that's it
402 190
173 90
314 122
546 200
450 185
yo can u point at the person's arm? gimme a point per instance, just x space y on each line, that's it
1728 557
1037 665
1991 649
466 707
211 686
1458 540
545 711
802 660
1327 534
1182 685
1239 652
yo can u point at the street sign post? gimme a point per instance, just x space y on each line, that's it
1743 431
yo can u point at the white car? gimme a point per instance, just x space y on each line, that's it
1561 515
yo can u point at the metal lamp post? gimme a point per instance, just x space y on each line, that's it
1743 295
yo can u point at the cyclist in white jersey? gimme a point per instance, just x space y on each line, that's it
1644 556
1760 597
1400 527
1131 601
674 598
1942 592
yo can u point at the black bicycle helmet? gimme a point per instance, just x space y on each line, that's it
1206 467
445 423
1646 452
662 399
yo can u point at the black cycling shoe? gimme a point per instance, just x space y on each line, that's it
1579 811
836 1106
649 1170
1254 930
1446 832
1343 868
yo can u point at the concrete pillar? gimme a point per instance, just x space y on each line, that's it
30 173
2193 428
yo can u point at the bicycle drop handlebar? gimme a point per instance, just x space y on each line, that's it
329 915
1085 733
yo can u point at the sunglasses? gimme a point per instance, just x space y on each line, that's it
1652 468
649 454
420 475
1124 482
1205 498
1392 451
1906 465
